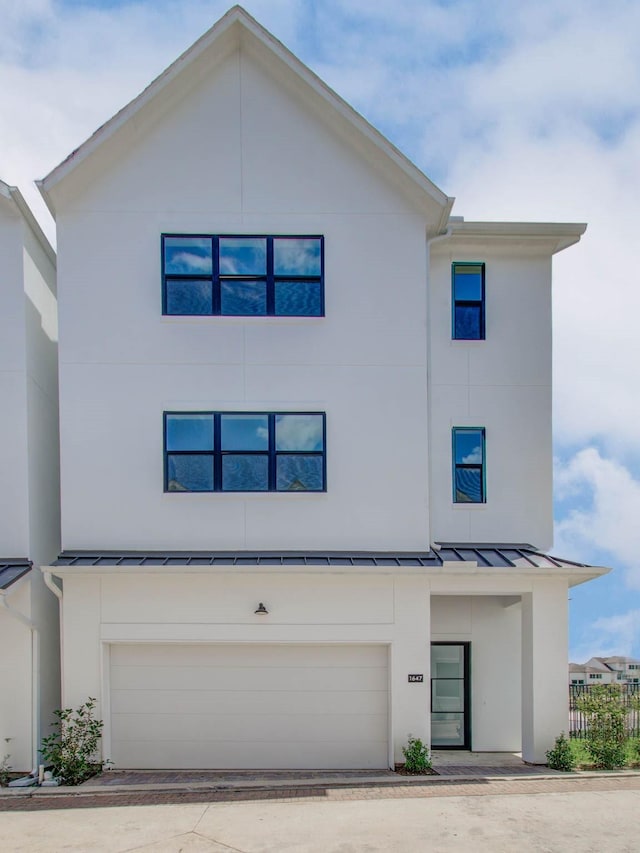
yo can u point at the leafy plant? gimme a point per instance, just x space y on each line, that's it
561 757
72 751
5 771
416 756
605 716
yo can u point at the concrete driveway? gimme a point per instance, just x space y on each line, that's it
578 820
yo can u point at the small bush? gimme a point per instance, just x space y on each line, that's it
605 715
416 756
72 751
561 757
5 771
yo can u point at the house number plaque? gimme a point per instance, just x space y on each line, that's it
416 678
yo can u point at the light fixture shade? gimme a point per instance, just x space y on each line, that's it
261 610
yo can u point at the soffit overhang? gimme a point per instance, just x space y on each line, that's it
518 237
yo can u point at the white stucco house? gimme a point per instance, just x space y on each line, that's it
305 435
30 497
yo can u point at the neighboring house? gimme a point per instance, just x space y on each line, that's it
296 494
30 496
606 670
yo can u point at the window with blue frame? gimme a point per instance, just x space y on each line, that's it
244 452
468 301
469 465
242 275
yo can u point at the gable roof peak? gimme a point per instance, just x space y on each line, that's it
231 31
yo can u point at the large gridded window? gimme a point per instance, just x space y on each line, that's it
468 301
469 465
242 276
244 452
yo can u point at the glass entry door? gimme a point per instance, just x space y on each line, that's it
450 706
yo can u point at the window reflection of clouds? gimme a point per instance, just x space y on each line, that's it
243 256
296 256
244 432
188 255
468 445
299 432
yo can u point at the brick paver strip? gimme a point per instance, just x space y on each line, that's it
449 788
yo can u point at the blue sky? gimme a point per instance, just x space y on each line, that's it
524 111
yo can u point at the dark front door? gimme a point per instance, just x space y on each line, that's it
450 705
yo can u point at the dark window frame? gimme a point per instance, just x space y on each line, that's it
468 303
482 466
216 279
218 453
466 679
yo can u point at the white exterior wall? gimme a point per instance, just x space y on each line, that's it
123 363
30 498
14 514
219 607
502 384
493 626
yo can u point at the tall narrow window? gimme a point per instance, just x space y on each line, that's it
469 465
468 301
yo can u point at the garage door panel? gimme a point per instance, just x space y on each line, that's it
196 755
235 656
315 728
267 706
270 702
249 678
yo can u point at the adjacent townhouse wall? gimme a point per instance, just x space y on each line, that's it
30 496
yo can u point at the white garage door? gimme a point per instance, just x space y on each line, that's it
249 706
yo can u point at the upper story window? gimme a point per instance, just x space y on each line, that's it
242 275
469 465
595 675
634 666
244 452
467 283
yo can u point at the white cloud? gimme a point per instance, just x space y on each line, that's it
610 521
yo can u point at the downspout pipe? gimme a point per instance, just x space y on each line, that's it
55 589
35 670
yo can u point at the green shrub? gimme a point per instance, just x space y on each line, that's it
72 751
5 771
605 716
561 757
416 756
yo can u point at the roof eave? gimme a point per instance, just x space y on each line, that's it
13 195
554 236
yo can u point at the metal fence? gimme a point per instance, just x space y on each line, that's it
577 722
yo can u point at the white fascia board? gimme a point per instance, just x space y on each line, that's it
236 25
499 575
549 236
15 197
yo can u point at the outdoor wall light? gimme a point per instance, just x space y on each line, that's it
261 610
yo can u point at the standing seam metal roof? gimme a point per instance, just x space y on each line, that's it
485 555
12 569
